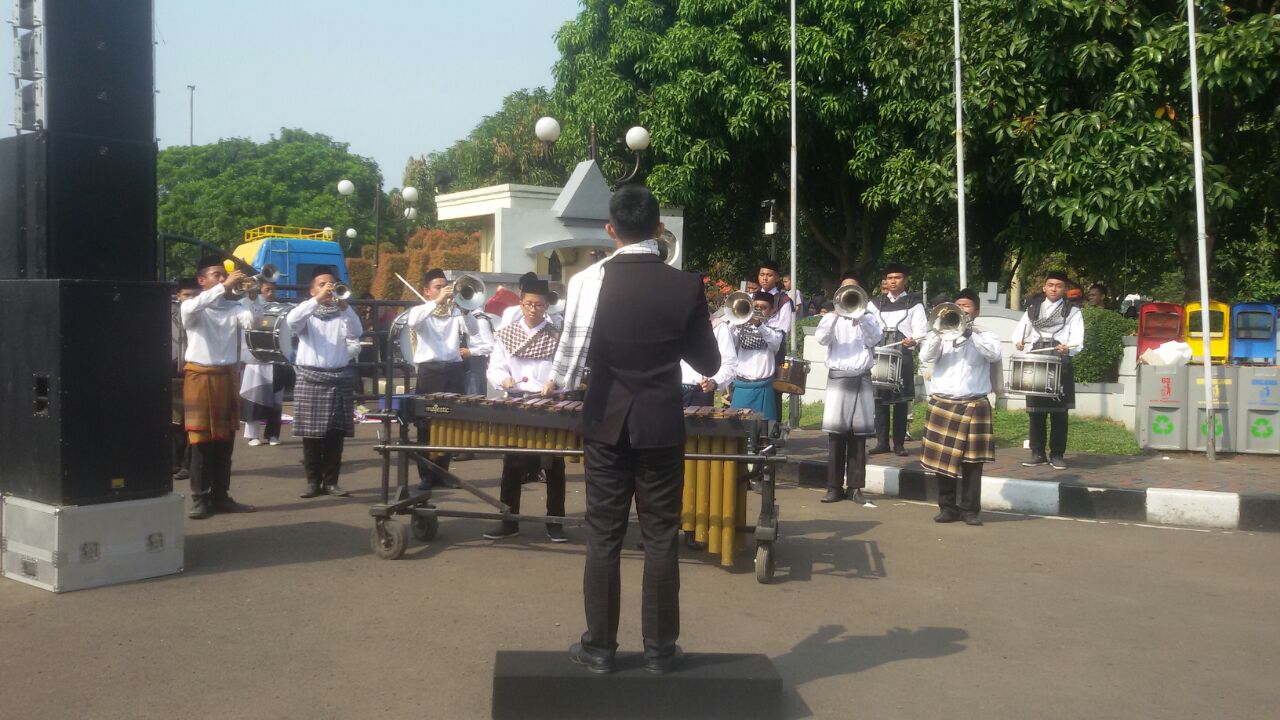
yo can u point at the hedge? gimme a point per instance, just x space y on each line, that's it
1104 331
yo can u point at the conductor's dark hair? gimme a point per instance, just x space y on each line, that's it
633 212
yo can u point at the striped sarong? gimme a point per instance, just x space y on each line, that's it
322 402
210 402
957 431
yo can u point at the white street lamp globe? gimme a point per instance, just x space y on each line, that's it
351 233
411 213
328 233
346 187
410 194
638 138
547 129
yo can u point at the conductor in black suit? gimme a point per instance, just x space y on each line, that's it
631 319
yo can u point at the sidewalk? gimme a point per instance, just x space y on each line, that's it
1237 491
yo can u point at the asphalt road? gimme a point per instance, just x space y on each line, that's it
874 613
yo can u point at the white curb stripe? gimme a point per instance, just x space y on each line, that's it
1199 508
1024 496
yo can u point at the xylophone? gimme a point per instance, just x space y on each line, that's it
714 503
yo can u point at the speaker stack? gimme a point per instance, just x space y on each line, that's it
84 323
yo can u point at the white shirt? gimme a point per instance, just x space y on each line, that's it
480 333
781 320
850 343
759 364
1071 335
728 359
213 323
439 338
515 314
324 343
530 375
964 370
912 322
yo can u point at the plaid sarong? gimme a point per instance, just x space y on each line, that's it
322 402
957 431
210 402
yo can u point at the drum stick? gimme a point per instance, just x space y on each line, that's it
902 341
411 288
1051 349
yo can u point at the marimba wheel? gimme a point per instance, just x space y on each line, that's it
764 563
389 539
425 527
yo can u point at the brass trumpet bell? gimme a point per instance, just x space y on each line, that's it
468 292
851 301
738 308
949 321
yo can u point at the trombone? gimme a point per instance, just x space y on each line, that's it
850 301
739 308
468 295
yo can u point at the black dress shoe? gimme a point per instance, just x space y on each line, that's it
878 450
228 505
593 663
947 516
200 509
833 495
336 490
972 519
858 497
311 491
900 451
664 665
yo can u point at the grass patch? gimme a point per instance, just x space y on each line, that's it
1098 436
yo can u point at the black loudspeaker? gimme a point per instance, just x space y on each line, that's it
84 390
99 69
76 206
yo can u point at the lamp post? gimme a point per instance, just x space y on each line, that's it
408 194
191 115
547 129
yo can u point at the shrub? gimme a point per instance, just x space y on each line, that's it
1104 331
361 273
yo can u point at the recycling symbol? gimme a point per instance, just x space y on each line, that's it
1261 428
1162 425
1217 427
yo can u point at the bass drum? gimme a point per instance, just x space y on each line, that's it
887 372
269 339
792 375
1036 374
403 340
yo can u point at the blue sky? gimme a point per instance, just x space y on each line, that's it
393 78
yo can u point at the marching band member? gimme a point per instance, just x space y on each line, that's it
187 289
212 320
328 333
848 416
756 345
521 362
958 435
440 325
699 390
261 395
903 317
779 317
514 314
1051 323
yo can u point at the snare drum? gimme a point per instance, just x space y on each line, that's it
887 372
269 339
792 375
1038 374
404 340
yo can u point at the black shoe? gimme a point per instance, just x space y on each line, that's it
200 509
463 457
593 663
833 495
228 505
972 519
662 666
502 531
947 516
311 491
878 450
1057 462
900 451
335 490
556 533
858 497
1036 461
182 474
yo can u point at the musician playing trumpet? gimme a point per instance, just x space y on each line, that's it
958 436
850 335
756 345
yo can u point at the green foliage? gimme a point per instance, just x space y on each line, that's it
1104 331
216 192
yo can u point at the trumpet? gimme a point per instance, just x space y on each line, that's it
268 274
851 301
468 295
739 309
949 321
667 250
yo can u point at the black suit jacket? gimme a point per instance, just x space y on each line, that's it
649 317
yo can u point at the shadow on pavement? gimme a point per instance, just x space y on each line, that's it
828 652
827 547
260 547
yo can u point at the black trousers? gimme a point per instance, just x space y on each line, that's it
899 421
322 457
273 424
656 478
970 486
846 461
211 469
181 449
515 468
437 377
693 396
1057 435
